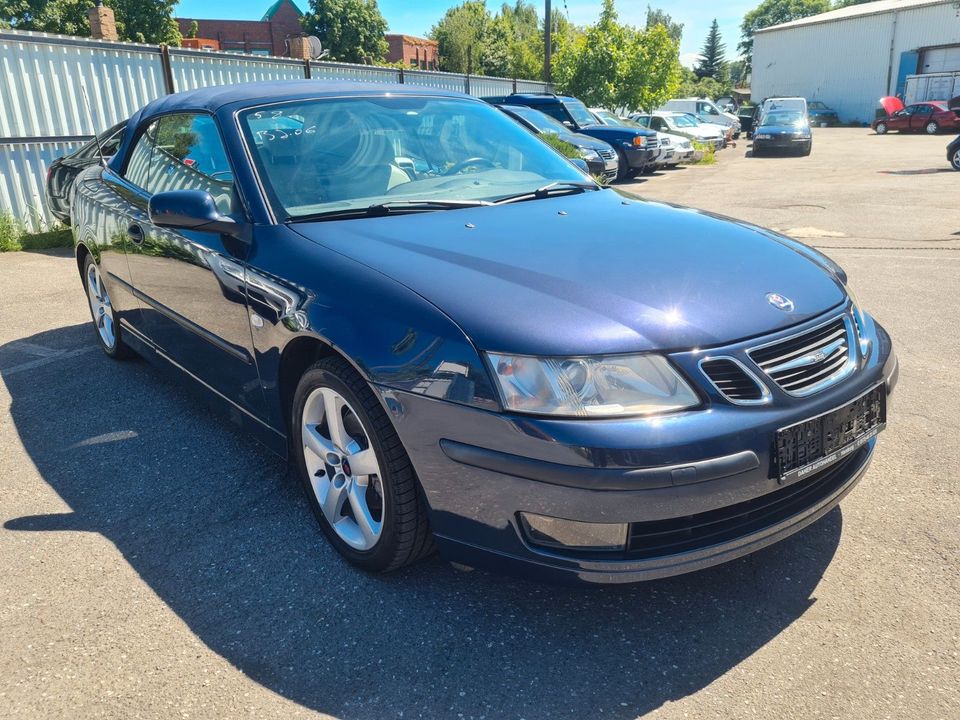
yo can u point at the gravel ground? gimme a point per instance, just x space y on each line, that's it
157 564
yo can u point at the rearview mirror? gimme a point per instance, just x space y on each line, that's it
190 210
581 165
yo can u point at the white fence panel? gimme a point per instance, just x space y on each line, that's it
23 174
353 73
41 77
486 86
192 70
441 81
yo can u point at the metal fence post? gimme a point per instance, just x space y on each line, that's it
401 79
306 68
167 69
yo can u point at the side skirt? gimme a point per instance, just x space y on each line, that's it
268 436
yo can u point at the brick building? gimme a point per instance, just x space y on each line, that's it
413 51
257 37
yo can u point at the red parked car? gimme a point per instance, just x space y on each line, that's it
928 117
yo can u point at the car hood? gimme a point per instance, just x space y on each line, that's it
585 141
891 105
590 273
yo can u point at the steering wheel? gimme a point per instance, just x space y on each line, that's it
470 162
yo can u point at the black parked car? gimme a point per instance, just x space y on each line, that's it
637 148
63 171
953 153
784 130
601 159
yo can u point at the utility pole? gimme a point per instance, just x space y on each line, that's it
547 41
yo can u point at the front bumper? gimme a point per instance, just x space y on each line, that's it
606 169
480 469
781 142
640 158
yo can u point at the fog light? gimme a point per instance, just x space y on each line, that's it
555 533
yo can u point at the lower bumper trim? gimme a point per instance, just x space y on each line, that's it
592 478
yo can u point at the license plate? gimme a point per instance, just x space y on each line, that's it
812 445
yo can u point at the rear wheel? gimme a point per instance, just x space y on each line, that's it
357 476
101 310
932 128
881 128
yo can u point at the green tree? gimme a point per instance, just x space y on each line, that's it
774 12
352 30
712 58
194 30
656 16
462 30
618 66
137 20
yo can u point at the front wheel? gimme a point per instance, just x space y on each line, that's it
881 129
955 160
932 128
623 166
101 310
357 476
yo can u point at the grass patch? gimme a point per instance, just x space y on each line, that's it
14 236
707 153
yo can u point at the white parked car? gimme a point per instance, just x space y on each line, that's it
667 152
678 123
681 148
705 110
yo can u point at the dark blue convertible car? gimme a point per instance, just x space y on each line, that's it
460 341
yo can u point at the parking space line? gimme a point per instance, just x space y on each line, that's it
40 362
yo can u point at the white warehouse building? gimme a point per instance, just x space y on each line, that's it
851 57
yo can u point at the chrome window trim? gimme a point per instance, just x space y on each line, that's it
842 373
765 395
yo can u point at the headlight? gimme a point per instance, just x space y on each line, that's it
591 386
588 154
860 321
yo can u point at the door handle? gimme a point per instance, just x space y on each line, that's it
135 233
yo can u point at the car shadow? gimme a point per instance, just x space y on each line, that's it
218 529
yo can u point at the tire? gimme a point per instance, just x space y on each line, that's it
881 128
807 150
932 128
109 333
955 160
401 535
756 152
623 167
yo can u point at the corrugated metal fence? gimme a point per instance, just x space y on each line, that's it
43 114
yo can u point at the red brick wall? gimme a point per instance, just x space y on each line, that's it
408 50
249 35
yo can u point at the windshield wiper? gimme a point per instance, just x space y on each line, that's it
392 207
547 190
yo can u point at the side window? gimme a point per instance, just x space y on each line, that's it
189 155
706 109
140 164
556 111
924 110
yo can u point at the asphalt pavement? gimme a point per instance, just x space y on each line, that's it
156 563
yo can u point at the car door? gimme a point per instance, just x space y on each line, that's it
901 120
920 117
191 283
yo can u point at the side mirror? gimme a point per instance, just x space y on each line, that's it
581 165
568 124
190 210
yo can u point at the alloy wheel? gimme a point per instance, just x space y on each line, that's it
343 468
882 129
956 160
100 306
932 128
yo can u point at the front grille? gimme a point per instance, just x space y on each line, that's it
657 538
608 154
809 362
732 380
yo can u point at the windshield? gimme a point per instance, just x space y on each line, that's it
685 121
783 117
579 112
817 105
318 156
543 123
609 118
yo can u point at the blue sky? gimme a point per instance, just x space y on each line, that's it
415 17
